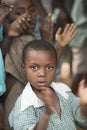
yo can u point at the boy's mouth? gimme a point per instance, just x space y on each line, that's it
42 83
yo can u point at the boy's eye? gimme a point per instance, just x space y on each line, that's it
49 67
34 67
32 10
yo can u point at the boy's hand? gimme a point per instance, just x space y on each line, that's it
5 10
20 26
48 96
13 30
47 29
65 37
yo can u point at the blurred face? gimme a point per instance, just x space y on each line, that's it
25 9
40 67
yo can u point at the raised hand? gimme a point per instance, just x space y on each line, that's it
5 10
65 37
47 29
16 28
20 27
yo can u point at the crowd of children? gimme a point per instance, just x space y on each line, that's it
18 20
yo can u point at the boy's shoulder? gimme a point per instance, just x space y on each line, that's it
61 88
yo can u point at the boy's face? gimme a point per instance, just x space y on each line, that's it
40 68
25 9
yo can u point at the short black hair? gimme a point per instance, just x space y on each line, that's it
38 45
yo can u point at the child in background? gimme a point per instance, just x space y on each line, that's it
75 84
44 104
76 80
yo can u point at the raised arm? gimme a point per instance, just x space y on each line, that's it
63 38
5 10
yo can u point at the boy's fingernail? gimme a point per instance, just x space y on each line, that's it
28 19
11 6
23 19
17 26
19 21
10 9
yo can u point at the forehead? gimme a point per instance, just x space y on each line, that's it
40 55
17 2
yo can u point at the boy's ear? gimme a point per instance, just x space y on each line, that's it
23 66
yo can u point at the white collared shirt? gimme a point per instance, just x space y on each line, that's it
27 111
29 98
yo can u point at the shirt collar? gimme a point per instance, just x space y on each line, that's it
29 98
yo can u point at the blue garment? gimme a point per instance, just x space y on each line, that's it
1 35
37 31
2 70
2 75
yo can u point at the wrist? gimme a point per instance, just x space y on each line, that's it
47 115
57 45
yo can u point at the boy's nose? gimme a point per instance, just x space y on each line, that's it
42 72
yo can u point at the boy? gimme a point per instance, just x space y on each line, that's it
43 104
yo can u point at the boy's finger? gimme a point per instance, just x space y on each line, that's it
59 31
66 28
72 28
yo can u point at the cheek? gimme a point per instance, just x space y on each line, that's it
30 75
52 75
